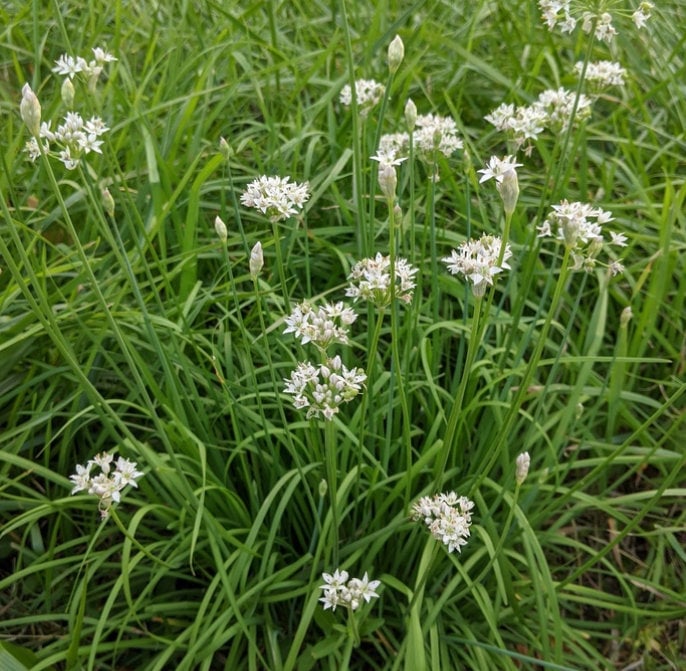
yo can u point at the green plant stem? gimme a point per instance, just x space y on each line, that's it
281 267
332 478
451 429
504 433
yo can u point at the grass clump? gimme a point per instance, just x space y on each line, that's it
340 337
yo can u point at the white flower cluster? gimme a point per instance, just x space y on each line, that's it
552 110
277 197
559 12
448 517
108 484
602 73
579 226
340 590
642 14
321 326
370 279
498 169
368 94
477 261
321 389
433 134
75 138
70 66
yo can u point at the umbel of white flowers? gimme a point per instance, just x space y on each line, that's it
340 590
108 484
448 517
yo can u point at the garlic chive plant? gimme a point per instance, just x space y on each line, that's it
367 406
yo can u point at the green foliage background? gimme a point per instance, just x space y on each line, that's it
143 334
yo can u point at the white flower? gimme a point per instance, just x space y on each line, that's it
602 73
368 94
552 110
323 389
433 134
322 326
108 484
477 261
579 226
448 517
341 591
370 279
68 66
497 168
642 14
618 239
277 197
557 11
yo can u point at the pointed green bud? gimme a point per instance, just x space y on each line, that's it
220 228
256 260
410 114
396 53
107 201
67 93
30 110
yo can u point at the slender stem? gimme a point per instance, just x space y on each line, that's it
332 478
451 429
281 268
395 348
515 405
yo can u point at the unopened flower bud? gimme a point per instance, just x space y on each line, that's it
30 110
107 201
396 53
225 149
67 93
410 114
220 228
522 464
388 180
626 316
508 189
323 488
256 260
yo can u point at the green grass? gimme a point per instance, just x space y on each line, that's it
143 334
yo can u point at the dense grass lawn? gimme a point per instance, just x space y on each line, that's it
342 335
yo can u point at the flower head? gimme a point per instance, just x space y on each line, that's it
435 133
448 517
477 261
642 14
277 197
602 73
339 590
579 226
107 484
368 94
370 279
321 326
497 168
504 171
324 388
552 110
